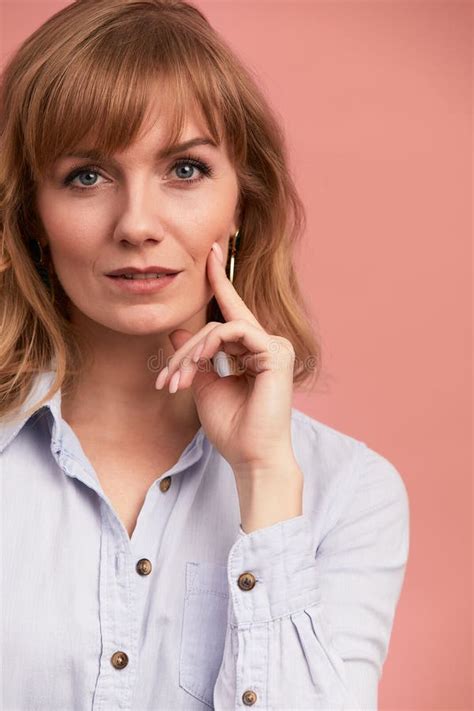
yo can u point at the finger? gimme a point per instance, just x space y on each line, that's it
235 349
252 365
232 306
182 352
176 337
182 358
275 352
189 372
184 342
251 337
183 345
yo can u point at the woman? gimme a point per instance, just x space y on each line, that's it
175 535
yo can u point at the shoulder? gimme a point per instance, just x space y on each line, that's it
343 476
311 436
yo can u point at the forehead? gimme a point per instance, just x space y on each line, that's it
153 137
159 118
156 118
155 130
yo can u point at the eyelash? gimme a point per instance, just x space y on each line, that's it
205 169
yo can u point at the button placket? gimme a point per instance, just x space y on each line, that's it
246 581
144 566
118 619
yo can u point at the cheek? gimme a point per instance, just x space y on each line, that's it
198 237
72 251
71 242
73 262
72 231
208 220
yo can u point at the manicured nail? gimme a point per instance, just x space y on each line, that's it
218 252
160 381
222 364
174 382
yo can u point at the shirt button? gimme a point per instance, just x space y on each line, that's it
119 660
165 483
143 567
246 581
249 697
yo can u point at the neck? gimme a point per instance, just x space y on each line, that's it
116 393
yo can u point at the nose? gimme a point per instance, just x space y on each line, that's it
139 220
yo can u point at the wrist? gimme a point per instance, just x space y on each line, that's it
282 464
274 494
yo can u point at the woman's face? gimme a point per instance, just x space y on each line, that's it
139 210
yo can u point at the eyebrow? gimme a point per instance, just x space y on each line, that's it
92 154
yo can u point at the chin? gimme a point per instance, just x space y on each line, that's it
137 322
142 327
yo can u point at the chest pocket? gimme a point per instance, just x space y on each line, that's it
204 629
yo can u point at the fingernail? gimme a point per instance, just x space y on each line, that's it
174 382
222 364
218 252
160 381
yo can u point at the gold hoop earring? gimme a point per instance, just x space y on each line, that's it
232 256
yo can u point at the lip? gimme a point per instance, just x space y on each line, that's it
145 270
142 286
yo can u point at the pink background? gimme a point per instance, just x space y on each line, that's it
376 101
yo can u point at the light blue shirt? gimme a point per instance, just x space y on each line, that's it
191 613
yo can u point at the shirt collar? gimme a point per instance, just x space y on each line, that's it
41 384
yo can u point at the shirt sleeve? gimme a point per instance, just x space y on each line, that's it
313 630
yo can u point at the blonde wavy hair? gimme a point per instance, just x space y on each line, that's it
92 65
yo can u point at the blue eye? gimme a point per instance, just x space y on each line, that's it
206 170
86 170
188 161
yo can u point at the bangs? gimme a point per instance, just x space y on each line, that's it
98 95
